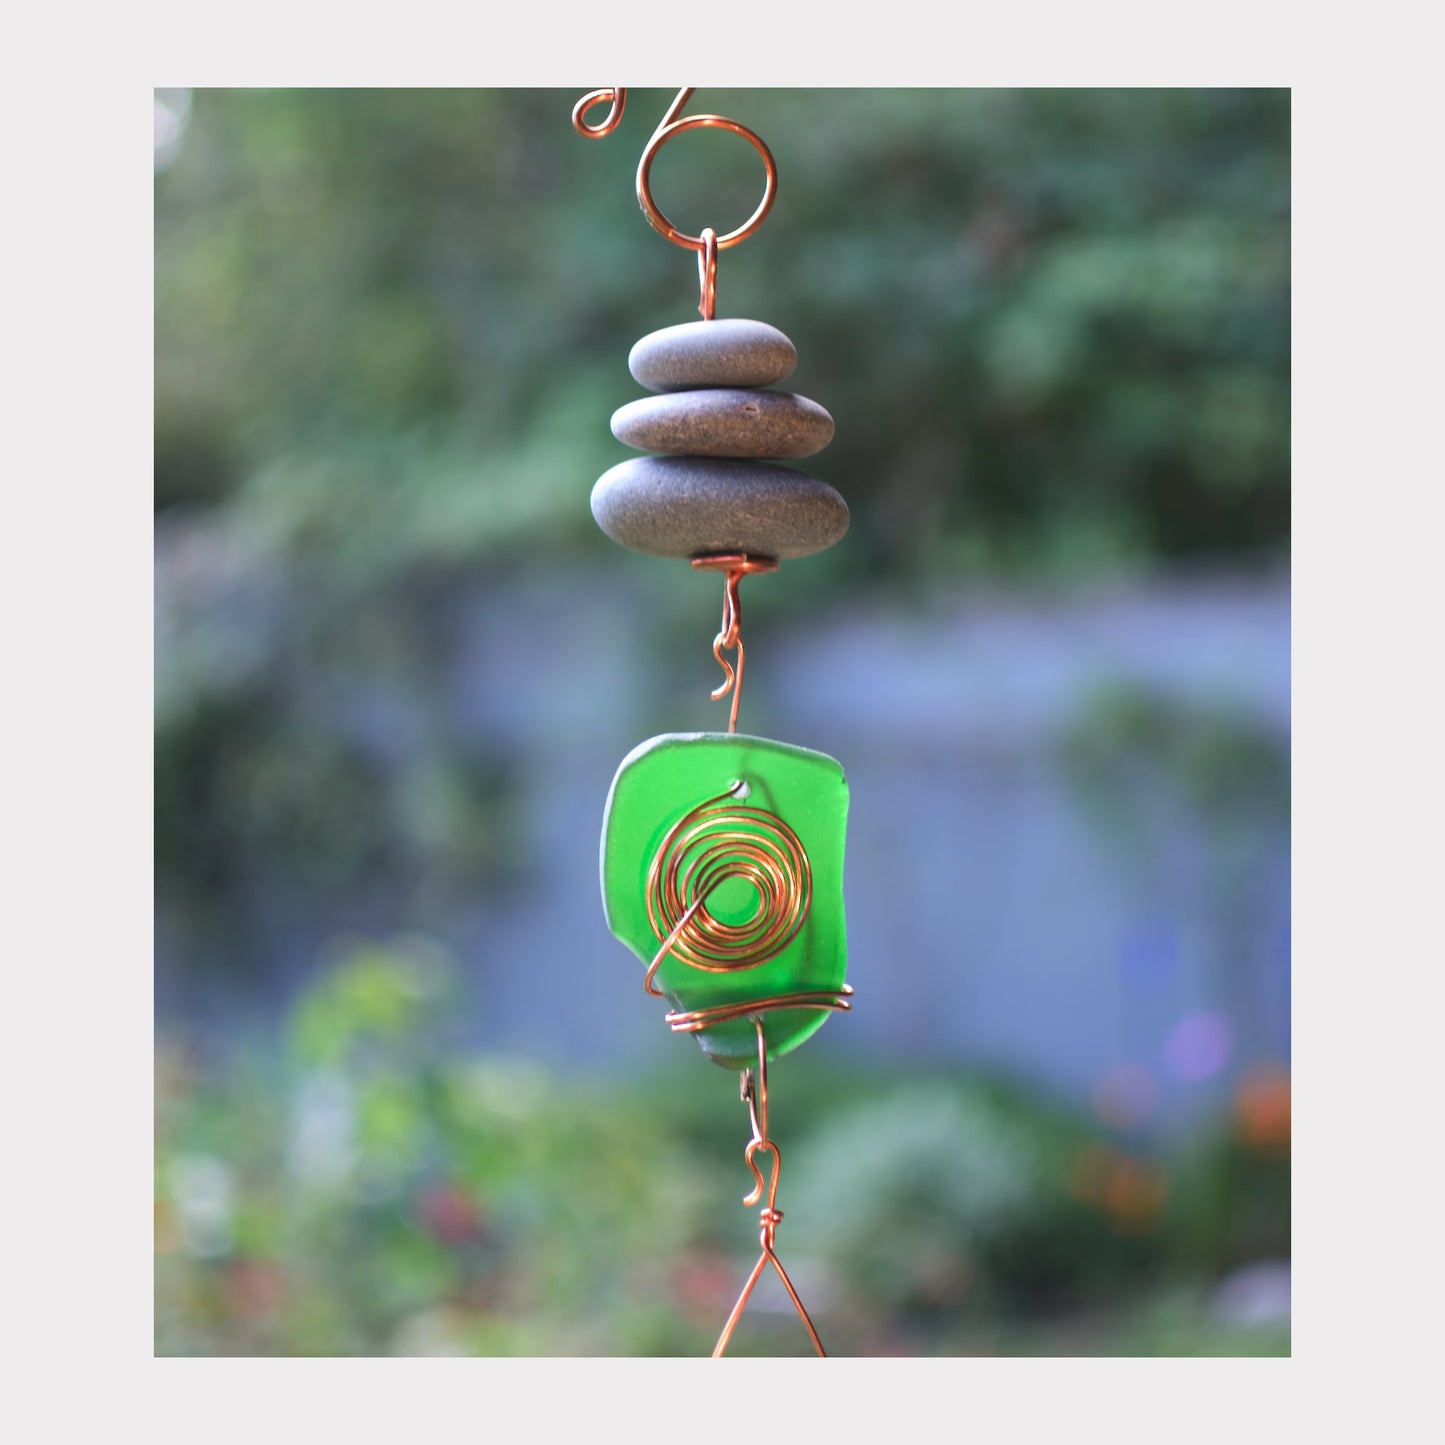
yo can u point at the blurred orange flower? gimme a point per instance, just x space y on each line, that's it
1263 1109
1131 1191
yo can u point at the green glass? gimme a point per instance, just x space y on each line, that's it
767 860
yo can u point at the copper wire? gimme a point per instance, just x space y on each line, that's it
696 1020
670 127
616 96
735 566
707 273
719 841
755 1094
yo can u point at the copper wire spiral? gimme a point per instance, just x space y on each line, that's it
723 840
718 841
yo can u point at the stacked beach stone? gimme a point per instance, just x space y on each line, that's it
718 488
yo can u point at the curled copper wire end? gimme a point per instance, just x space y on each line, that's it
735 566
609 123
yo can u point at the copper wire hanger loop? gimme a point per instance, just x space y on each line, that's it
754 844
708 243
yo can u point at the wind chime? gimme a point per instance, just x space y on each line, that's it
722 854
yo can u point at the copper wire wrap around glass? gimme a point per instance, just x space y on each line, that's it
709 242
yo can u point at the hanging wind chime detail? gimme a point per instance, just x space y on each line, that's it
722 854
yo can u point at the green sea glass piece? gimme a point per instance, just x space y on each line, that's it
748 834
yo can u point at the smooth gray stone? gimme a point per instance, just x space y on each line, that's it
725 422
695 506
712 353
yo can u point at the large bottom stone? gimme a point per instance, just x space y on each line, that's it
694 506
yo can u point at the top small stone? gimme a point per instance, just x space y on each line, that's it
712 353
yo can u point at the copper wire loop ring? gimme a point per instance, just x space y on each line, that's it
671 126
660 138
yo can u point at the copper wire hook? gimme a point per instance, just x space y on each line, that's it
730 638
735 566
756 1193
707 274
757 1106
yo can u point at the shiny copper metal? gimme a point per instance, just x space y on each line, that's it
755 1094
707 273
723 839
670 127
720 840
695 1021
616 95
735 566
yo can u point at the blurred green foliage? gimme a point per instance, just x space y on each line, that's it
391 325
384 1190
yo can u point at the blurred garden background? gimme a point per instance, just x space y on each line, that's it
411 1097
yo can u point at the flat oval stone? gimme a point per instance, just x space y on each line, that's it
725 422
696 506
712 353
